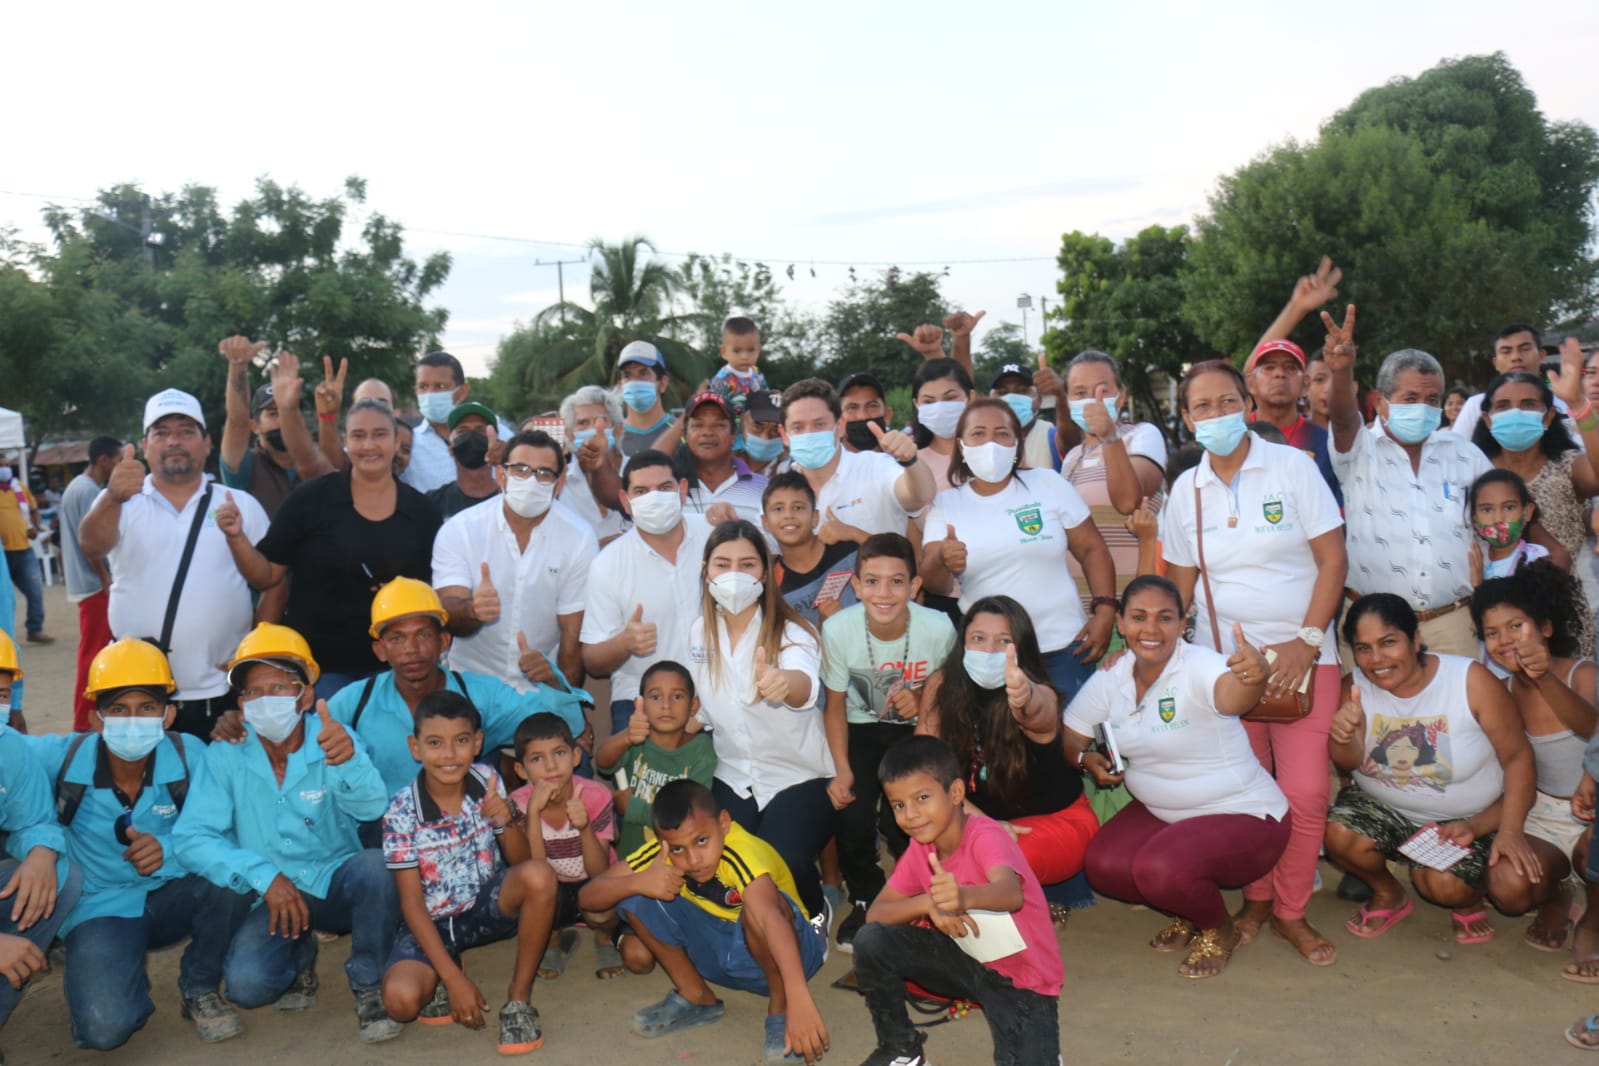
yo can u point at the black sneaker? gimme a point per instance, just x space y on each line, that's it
888 1057
519 1029
437 1012
376 1025
301 995
849 927
214 1018
1354 889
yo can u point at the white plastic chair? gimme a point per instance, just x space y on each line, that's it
49 558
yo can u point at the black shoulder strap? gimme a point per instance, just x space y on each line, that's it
179 789
69 794
183 570
366 694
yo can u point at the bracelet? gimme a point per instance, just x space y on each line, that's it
327 418
908 463
1104 601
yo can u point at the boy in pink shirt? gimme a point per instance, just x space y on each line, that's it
923 924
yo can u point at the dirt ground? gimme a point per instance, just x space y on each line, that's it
1412 996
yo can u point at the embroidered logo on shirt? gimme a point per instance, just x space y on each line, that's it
313 795
1168 708
1272 508
1030 520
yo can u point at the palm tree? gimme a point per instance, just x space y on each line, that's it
632 296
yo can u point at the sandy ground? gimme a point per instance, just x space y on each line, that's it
1413 996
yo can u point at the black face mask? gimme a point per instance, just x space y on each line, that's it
471 450
858 435
274 440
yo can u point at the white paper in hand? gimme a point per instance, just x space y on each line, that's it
1432 850
999 936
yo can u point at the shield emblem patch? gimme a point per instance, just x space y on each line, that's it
1273 510
1030 521
1168 708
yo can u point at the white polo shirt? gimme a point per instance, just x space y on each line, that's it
861 493
1016 546
1261 569
579 498
761 747
548 579
1184 758
629 573
1407 529
214 608
742 490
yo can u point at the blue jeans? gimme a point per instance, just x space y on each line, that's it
717 947
69 884
107 982
797 823
621 712
24 567
361 901
1067 672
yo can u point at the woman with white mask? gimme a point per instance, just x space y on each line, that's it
941 389
756 663
1007 531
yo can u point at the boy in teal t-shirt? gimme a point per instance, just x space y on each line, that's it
656 749
876 657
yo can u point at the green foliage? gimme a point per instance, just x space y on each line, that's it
1000 345
719 287
138 290
1449 202
860 329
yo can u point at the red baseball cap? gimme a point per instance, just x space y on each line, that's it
1267 347
710 397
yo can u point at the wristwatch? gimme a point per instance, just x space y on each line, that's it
1314 637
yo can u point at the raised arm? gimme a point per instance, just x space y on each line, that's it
240 352
1311 293
101 527
329 398
259 571
960 325
306 457
1339 353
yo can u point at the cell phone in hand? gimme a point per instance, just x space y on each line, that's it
1106 736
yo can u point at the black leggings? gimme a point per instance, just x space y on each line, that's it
797 823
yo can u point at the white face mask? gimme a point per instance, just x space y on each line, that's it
941 417
657 512
274 717
990 462
528 497
735 590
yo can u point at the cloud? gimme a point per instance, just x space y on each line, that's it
1069 187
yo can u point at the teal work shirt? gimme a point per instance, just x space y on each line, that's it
27 800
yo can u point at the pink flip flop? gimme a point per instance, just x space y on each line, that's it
1356 926
1463 922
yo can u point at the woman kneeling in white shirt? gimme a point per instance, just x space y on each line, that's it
1205 814
756 664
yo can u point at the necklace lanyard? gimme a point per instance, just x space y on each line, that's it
904 651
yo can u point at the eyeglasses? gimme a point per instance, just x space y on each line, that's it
277 688
521 472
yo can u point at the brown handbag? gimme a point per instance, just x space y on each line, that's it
1271 709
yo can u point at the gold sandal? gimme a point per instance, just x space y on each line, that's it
1168 938
1207 945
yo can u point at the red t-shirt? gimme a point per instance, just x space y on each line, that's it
984 845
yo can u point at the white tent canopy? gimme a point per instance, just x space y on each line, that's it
11 437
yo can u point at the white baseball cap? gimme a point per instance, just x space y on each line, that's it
171 402
641 352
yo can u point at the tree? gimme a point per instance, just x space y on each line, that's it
718 287
1450 203
860 327
1000 345
1126 301
137 290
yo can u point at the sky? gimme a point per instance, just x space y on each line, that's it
822 134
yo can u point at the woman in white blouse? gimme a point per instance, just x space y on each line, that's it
756 663
1273 547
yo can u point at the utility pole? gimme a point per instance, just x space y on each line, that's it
560 266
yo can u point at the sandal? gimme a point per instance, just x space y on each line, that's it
1178 934
1386 918
1206 945
1557 944
557 955
607 959
1589 1027
674 1014
1463 926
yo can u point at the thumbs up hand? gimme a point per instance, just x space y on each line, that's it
127 477
1018 687
771 683
228 518
895 443
332 737
638 726
1248 665
1350 721
485 599
534 666
944 891
640 634
143 851
954 551
239 350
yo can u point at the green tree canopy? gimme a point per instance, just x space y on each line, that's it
859 331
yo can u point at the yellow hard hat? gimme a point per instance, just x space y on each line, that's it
270 643
402 598
129 663
8 656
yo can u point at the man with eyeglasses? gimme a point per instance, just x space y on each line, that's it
512 573
141 524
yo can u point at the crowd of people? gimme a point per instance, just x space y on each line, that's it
348 687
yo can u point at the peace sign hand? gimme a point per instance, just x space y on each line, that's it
330 390
1339 352
1314 290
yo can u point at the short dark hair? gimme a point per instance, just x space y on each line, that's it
792 480
679 799
1390 610
101 447
886 546
918 755
1519 327
1210 366
534 438
643 461
447 360
541 726
1150 582
446 704
812 389
739 326
667 666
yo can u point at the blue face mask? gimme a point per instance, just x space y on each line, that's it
436 406
1220 436
584 434
985 668
640 396
1412 423
812 451
762 449
131 738
1022 404
1516 431
1077 407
